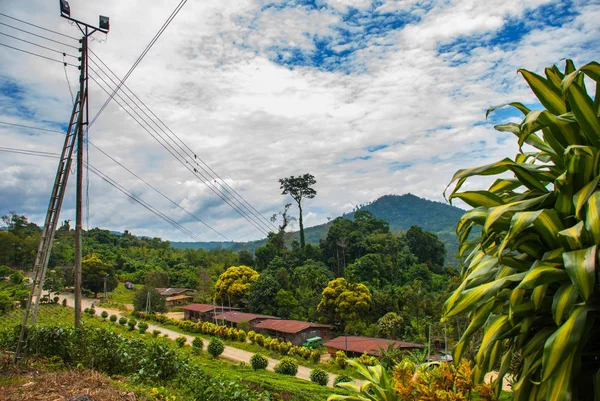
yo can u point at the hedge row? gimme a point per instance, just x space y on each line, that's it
284 348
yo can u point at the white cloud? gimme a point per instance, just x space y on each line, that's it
211 78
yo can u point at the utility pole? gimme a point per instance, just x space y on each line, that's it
75 133
83 120
105 295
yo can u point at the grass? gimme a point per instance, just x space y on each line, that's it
290 388
122 295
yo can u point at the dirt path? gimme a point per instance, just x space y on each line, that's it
230 353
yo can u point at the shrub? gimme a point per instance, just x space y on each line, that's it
258 362
64 302
368 360
113 318
159 364
55 300
315 356
215 347
91 311
131 323
104 314
155 333
284 348
198 344
241 336
342 378
122 320
86 310
251 335
287 366
341 359
180 341
319 376
259 339
142 327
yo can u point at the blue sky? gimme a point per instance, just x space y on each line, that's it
371 97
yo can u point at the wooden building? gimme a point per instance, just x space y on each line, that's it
294 331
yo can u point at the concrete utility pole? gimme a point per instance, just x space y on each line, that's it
79 118
83 120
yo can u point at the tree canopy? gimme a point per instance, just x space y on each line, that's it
233 286
299 188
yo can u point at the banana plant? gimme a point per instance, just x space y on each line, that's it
530 245
378 385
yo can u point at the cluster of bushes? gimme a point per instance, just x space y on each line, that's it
208 328
152 361
284 348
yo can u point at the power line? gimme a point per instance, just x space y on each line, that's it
116 185
39 27
139 59
193 156
39 36
173 152
37 55
128 170
38 45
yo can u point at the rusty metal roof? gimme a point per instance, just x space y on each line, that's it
236 317
178 298
167 292
289 326
369 345
203 308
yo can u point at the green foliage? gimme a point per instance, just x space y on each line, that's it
155 333
378 385
5 271
142 327
233 286
180 341
341 359
197 344
319 376
298 188
427 248
94 272
54 282
104 315
342 378
113 318
287 366
262 293
342 302
157 279
258 362
531 245
16 278
157 302
123 321
215 347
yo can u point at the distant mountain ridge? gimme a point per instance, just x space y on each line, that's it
401 211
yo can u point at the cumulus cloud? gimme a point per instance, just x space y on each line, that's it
371 98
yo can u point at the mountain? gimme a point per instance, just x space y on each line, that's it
401 211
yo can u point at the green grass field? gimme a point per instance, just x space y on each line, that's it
122 295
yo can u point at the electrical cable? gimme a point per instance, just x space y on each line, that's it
128 170
116 185
193 154
68 82
207 180
39 36
39 27
174 152
38 45
139 59
38 55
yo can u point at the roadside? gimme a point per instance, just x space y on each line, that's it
231 353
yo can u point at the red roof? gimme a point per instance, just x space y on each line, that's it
369 345
202 308
236 317
289 326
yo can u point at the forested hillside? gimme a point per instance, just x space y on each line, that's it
400 211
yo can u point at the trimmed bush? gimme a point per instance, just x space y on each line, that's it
319 376
104 314
64 302
287 366
198 345
131 323
341 359
215 347
260 340
122 321
342 378
155 333
142 327
251 335
113 318
180 341
315 356
92 311
257 361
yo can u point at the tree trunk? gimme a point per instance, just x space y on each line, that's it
301 226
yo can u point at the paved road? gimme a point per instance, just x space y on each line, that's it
230 353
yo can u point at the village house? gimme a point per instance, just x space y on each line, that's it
355 346
204 312
175 296
294 331
233 318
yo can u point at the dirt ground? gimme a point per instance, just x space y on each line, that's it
60 386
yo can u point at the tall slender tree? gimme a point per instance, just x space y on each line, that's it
298 188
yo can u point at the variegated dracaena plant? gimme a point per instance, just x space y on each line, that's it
530 245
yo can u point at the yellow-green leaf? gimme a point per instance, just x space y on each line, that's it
581 268
572 236
479 198
583 108
564 342
592 219
581 197
563 302
549 98
537 295
541 274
